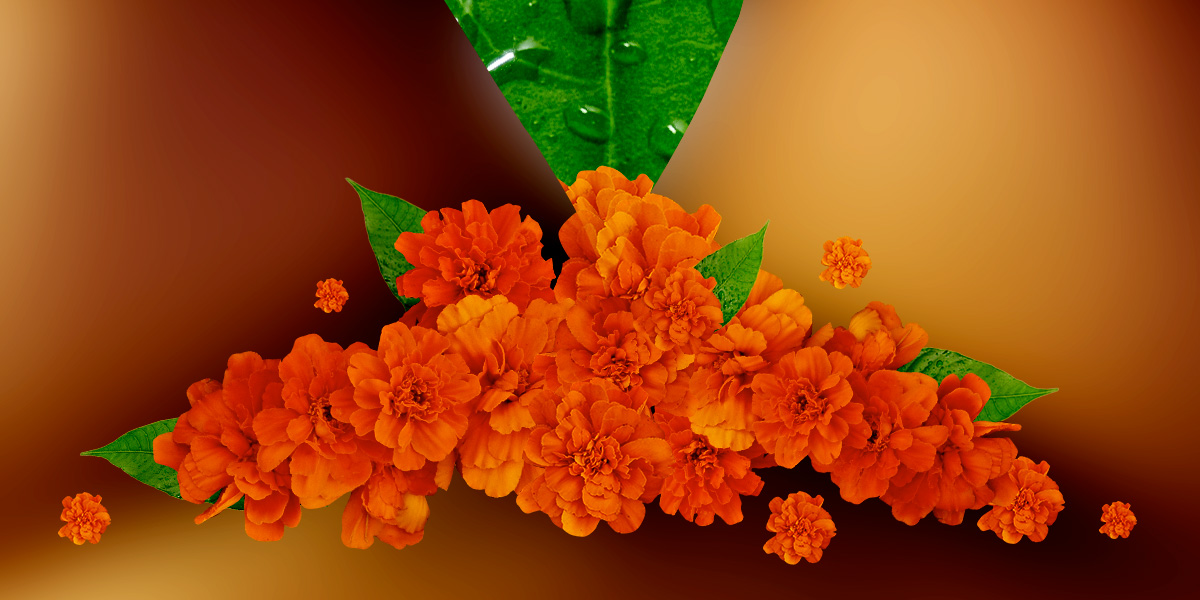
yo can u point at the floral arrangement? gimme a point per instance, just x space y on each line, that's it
655 365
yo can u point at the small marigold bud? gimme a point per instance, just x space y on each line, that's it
86 518
802 528
847 261
331 296
1118 520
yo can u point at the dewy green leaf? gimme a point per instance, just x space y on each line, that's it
601 82
1009 394
134 454
735 267
386 217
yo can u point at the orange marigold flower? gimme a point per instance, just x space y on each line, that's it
964 464
608 345
773 322
412 394
804 406
847 261
474 252
895 408
602 460
511 354
86 519
1027 502
1117 518
214 448
802 528
391 505
875 339
679 309
705 481
331 295
328 458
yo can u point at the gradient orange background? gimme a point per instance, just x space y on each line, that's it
1025 175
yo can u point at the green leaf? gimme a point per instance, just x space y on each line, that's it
386 217
1009 394
735 267
601 82
134 454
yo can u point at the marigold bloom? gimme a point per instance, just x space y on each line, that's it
773 322
847 261
413 395
601 461
328 459
1117 518
511 354
331 295
802 528
876 339
214 448
804 406
705 481
608 345
679 309
391 505
895 408
474 252
1027 502
964 464
86 519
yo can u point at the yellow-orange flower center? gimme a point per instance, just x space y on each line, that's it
475 276
597 457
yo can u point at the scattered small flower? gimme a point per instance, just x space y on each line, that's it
802 528
331 295
847 261
86 518
1118 520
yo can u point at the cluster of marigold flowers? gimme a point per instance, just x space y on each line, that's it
588 399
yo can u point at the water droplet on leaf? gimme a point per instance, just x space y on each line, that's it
588 122
665 138
520 62
629 53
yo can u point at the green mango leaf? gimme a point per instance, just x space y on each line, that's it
1009 394
134 454
601 82
735 267
386 217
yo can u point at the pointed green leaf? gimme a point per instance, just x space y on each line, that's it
134 454
1009 394
601 82
735 267
386 217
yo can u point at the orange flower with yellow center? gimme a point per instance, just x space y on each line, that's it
214 448
328 458
876 339
331 295
803 406
601 460
511 354
1117 518
895 408
705 481
958 479
801 526
1027 502
474 252
412 394
86 519
847 262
